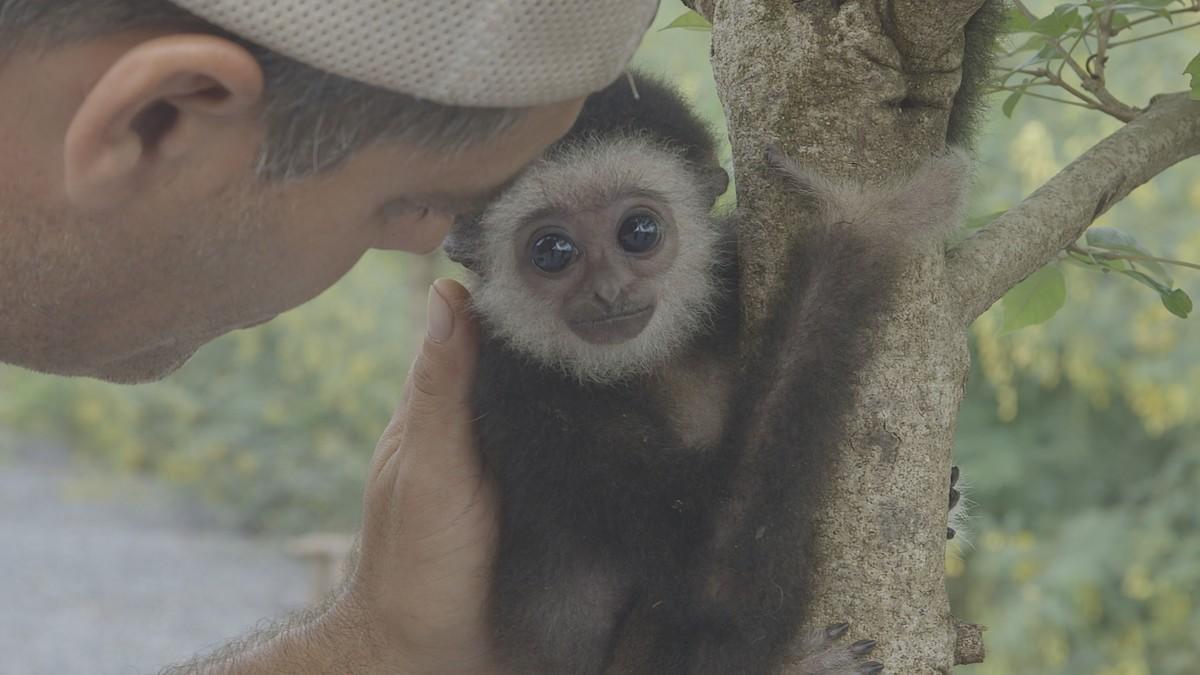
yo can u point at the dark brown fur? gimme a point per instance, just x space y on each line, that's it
607 509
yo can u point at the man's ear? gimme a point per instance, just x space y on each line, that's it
181 101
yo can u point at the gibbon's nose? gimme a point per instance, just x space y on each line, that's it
610 278
608 290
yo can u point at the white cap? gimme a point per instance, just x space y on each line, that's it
482 53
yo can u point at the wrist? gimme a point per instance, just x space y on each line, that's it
349 627
383 643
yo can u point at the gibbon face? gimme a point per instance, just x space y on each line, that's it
601 270
599 261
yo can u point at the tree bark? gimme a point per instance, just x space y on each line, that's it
864 89
1018 243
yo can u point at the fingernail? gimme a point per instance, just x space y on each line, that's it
439 318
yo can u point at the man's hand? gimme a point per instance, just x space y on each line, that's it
430 514
416 600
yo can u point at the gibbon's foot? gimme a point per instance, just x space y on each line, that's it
955 495
824 656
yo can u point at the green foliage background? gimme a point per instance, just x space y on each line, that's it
1081 435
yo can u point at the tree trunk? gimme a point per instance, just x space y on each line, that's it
864 89
837 91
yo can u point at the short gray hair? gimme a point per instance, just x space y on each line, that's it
315 120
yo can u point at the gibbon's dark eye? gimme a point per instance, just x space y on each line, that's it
639 233
553 253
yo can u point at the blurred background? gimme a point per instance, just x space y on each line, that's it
141 524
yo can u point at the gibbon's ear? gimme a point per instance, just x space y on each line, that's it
171 105
717 182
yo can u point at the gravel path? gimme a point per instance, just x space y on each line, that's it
101 575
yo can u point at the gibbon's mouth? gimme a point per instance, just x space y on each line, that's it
613 328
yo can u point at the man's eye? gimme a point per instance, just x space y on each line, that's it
553 253
404 210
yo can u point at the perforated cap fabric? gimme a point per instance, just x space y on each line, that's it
484 53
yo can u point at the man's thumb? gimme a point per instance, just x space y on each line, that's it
444 371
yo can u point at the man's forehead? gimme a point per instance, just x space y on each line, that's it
486 53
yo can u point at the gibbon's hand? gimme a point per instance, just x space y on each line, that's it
430 514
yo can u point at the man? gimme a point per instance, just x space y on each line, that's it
173 171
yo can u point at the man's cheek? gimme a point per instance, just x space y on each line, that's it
418 235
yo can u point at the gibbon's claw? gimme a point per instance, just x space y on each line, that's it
953 476
950 533
837 630
824 656
863 647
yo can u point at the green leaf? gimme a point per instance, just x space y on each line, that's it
1145 279
1079 262
1193 69
1178 303
1035 299
1112 239
1145 5
1058 22
1043 55
1017 22
1035 42
1010 103
689 20
1121 266
1086 259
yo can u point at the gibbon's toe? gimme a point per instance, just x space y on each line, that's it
823 656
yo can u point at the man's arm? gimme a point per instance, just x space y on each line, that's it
322 639
416 598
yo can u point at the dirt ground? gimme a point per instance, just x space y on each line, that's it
103 575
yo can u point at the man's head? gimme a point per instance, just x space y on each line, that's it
163 182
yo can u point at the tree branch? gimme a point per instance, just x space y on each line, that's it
968 643
1154 35
1108 102
1195 7
983 267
